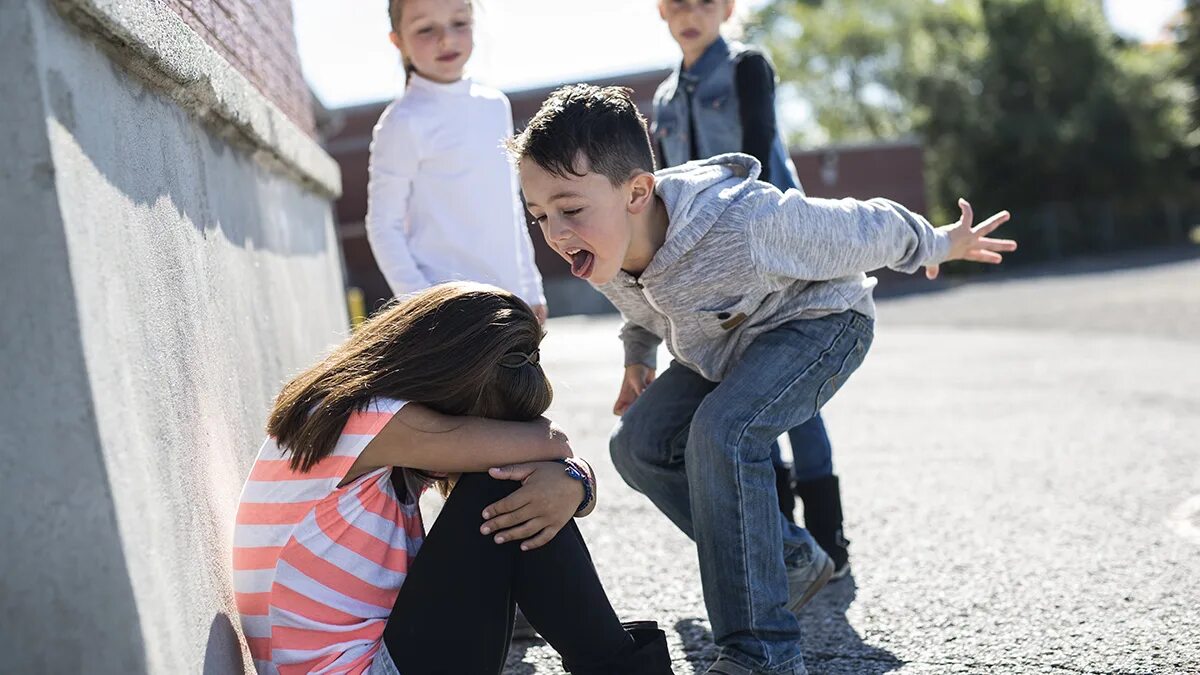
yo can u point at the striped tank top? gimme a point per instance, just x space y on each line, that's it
317 567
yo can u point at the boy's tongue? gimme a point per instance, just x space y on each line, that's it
581 264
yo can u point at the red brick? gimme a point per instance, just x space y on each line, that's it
257 38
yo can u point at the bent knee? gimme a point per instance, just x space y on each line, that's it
483 488
637 451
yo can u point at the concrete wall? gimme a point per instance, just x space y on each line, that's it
160 277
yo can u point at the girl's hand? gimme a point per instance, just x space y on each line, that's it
545 502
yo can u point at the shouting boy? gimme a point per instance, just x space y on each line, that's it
763 301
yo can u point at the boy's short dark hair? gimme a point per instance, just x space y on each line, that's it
601 123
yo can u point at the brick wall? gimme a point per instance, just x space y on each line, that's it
255 36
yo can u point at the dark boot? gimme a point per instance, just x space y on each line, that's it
822 500
783 488
649 655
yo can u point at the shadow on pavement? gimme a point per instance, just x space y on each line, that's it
697 643
831 645
514 663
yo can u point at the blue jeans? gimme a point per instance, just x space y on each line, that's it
701 451
812 454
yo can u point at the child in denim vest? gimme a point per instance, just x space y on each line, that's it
721 99
762 299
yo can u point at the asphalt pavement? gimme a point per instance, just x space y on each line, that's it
1020 465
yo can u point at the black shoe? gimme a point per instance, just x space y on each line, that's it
649 655
783 488
822 500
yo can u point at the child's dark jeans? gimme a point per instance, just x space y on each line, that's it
701 451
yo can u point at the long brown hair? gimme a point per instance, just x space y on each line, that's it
458 348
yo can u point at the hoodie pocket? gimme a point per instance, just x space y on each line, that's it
727 318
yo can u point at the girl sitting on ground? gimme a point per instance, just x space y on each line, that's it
332 568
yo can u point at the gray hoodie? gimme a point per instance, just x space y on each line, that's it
742 258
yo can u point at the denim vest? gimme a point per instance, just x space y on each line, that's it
707 95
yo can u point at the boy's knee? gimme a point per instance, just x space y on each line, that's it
621 449
722 430
713 423
632 453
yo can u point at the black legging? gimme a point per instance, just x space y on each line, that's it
454 612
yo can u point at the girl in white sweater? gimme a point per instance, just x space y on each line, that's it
443 200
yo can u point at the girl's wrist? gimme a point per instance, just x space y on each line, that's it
581 471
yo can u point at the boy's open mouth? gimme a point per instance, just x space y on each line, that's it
582 262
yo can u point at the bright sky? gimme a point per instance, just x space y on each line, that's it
347 58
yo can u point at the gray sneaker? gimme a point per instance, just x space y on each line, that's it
806 577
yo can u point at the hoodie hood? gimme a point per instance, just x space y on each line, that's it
696 194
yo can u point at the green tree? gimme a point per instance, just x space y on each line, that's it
842 59
1189 47
1018 102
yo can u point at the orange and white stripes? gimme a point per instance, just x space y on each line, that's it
316 568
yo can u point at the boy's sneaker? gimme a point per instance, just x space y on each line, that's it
726 666
806 577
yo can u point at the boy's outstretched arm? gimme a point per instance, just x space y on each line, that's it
821 239
968 242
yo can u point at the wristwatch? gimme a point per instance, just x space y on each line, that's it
572 469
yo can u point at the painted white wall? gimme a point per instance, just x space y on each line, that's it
158 285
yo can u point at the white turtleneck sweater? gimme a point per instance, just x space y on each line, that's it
443 201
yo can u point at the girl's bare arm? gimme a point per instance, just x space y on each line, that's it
420 438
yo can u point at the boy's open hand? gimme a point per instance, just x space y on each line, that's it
973 243
546 500
637 378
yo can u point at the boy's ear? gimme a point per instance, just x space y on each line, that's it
641 192
729 7
662 11
395 38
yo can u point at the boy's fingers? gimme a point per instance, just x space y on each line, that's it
985 257
622 404
931 272
998 244
987 226
968 214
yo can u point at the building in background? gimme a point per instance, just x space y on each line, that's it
894 170
167 259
